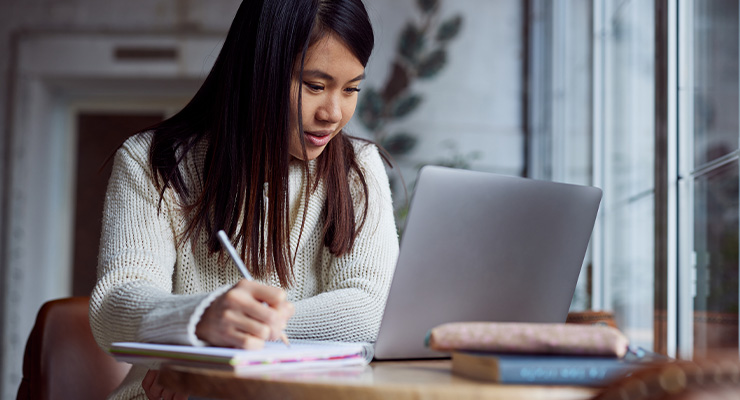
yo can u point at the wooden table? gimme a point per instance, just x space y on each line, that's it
384 380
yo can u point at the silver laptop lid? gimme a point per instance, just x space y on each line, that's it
484 247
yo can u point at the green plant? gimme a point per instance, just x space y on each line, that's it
420 55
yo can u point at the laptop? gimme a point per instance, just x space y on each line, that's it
479 246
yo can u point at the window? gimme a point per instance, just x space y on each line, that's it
624 159
661 106
708 175
591 122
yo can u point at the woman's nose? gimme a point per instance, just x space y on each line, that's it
330 110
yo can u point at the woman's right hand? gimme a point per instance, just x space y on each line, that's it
238 318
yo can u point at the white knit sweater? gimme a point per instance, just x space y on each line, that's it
152 289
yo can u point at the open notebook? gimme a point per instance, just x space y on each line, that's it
274 356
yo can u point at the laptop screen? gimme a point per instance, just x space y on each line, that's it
484 247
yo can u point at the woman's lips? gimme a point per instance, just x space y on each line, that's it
318 138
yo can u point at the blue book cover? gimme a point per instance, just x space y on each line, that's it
542 369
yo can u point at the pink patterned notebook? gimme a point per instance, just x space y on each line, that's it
528 338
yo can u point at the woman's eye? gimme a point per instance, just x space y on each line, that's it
313 86
352 90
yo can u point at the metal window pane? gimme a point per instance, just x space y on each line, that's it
625 121
716 259
709 131
715 36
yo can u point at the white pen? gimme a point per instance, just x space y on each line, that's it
226 243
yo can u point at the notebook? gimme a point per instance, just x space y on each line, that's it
547 369
275 356
479 246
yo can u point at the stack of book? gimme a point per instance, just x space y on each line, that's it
547 354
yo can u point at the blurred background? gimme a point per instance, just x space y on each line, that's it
637 97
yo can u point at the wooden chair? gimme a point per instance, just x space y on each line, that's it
62 360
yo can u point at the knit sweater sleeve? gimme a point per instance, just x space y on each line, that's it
133 300
356 284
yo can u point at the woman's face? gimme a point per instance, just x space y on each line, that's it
331 76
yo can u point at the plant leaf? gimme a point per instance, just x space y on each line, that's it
432 64
370 108
397 83
449 29
400 143
405 105
427 5
411 42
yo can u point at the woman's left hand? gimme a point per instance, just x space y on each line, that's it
155 391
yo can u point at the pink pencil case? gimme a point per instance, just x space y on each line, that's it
528 338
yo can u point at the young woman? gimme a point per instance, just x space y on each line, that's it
259 152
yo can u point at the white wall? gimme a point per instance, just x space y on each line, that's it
475 101
61 62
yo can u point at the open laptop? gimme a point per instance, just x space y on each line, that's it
484 247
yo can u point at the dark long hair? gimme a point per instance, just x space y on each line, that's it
242 110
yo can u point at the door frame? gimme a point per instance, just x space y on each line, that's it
52 77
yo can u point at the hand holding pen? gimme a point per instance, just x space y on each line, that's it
247 314
242 268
